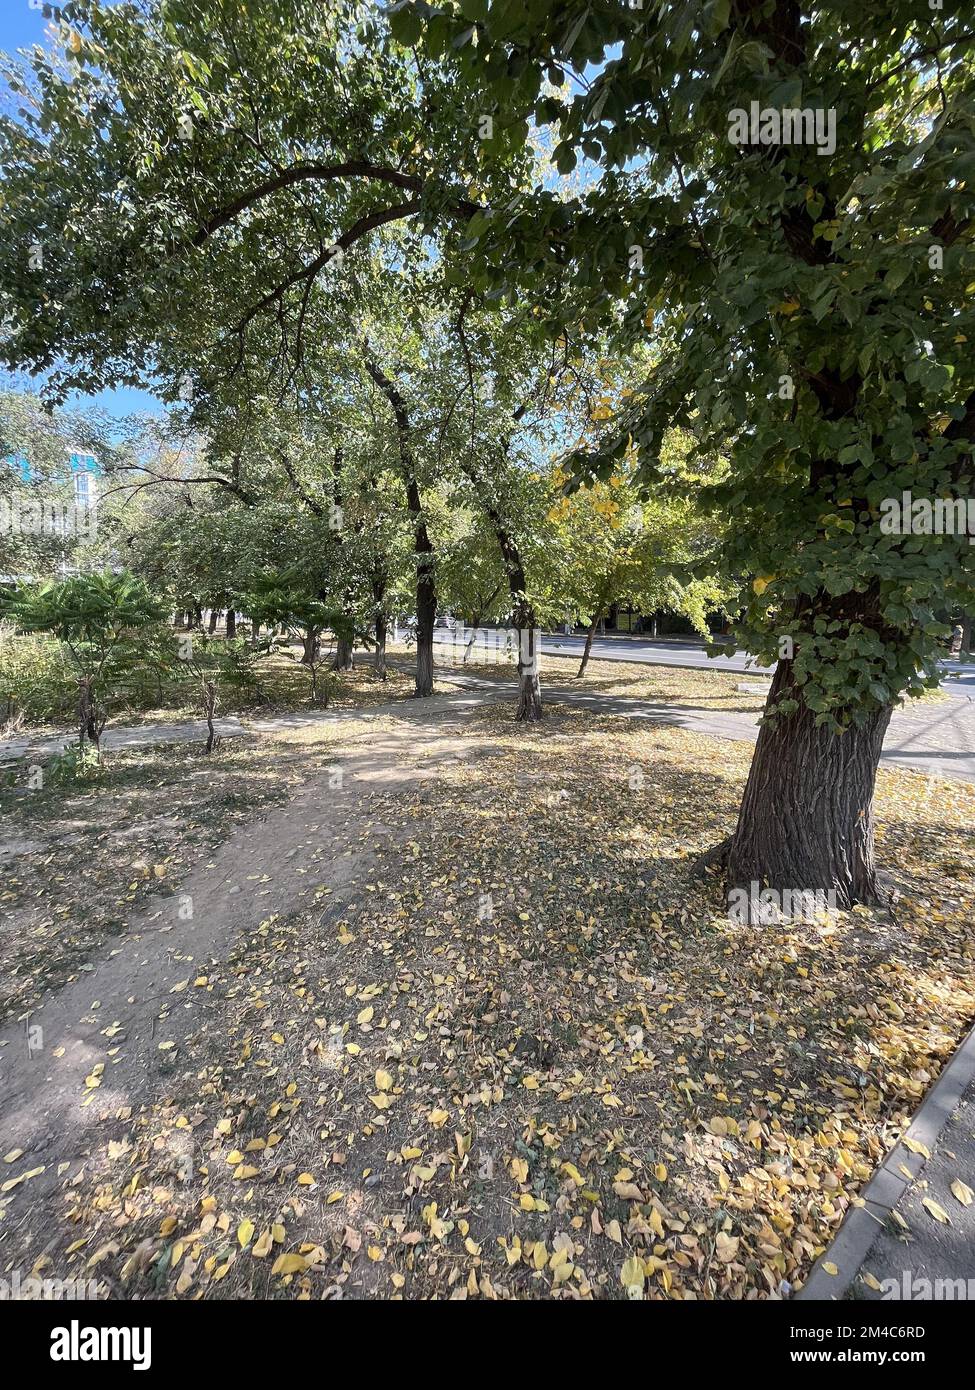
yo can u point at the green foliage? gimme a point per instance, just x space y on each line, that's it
812 307
36 678
283 599
76 763
485 200
98 620
93 615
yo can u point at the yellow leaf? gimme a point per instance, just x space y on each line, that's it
384 1082
289 1264
935 1210
262 1246
244 1233
726 1247
632 1275
917 1148
962 1192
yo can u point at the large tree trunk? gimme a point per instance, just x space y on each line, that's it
231 622
212 624
806 818
588 647
344 654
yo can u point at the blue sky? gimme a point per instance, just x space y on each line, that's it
21 26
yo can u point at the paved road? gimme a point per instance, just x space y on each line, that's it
665 651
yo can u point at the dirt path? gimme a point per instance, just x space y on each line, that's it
104 1042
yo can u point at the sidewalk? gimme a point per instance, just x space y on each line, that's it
935 739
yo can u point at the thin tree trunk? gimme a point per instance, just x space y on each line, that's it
212 624
426 616
89 725
381 670
231 622
529 708
378 580
475 624
309 647
209 704
588 647
806 819
426 591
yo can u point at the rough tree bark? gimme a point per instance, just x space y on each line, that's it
344 654
231 623
806 818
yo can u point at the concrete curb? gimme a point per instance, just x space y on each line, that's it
852 1242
